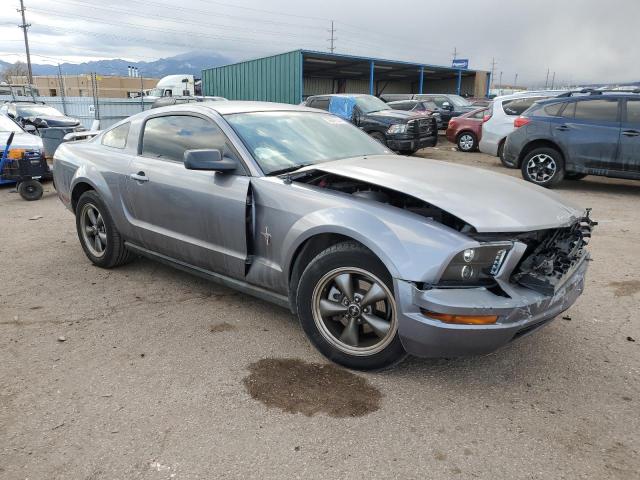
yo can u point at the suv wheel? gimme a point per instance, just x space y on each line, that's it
379 137
543 166
347 308
98 235
467 142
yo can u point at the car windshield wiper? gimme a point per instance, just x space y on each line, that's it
292 168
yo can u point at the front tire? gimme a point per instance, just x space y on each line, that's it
467 142
379 137
347 308
543 166
99 237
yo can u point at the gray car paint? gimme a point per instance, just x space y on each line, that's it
212 242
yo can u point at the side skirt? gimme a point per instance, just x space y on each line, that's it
244 287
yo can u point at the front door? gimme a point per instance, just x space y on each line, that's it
629 152
198 217
589 131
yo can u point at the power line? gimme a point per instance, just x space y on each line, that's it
25 26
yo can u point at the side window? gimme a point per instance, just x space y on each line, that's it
116 137
554 109
633 111
600 110
569 111
321 103
439 101
479 115
168 137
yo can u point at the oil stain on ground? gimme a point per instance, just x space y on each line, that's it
296 386
625 288
221 327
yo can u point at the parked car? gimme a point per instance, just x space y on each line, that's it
403 132
420 107
449 105
499 117
466 130
38 115
569 137
168 101
378 254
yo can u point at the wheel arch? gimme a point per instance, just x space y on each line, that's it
76 192
539 143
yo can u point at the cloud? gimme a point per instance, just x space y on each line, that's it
582 41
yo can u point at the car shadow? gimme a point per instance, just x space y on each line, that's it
601 185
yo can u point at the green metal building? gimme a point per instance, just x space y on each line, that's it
291 77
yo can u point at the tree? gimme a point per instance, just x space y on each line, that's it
18 69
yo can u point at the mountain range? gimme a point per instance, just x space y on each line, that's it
186 63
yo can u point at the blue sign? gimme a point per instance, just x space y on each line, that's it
460 63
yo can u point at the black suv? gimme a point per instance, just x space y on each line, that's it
449 105
404 132
38 115
589 132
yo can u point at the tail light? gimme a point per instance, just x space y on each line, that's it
486 118
521 121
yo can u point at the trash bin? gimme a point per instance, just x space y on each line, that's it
52 137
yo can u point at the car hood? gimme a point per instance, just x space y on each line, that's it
490 202
55 121
21 140
391 115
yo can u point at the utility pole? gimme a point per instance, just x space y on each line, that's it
455 53
25 26
500 82
553 80
515 81
141 94
546 82
333 38
493 67
62 86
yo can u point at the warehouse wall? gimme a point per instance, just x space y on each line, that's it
272 79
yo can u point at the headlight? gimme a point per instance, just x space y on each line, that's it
475 266
397 128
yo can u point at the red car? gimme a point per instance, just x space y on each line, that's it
465 131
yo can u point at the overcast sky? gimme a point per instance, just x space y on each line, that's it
581 40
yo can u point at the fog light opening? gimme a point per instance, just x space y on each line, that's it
461 319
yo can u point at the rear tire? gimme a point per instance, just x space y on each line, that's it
99 237
467 142
30 190
347 309
543 166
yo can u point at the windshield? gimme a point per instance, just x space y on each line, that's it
371 104
37 111
281 141
459 101
8 125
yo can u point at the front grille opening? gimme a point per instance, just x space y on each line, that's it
529 329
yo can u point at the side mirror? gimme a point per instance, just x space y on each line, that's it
30 129
447 106
208 159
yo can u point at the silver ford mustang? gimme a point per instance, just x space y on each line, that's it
379 255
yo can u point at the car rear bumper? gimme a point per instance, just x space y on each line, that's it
412 144
519 315
510 154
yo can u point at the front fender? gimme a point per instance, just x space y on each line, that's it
410 246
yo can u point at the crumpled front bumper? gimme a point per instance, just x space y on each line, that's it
521 314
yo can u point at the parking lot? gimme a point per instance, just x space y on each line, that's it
147 372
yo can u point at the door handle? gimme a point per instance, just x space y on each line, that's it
562 128
631 133
139 177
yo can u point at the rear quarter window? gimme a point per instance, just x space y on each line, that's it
116 137
517 106
553 110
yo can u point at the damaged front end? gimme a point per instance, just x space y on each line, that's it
548 263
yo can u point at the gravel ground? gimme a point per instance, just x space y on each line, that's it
146 372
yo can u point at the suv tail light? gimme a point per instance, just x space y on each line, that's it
521 121
486 118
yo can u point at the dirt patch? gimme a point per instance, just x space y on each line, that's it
310 388
222 327
626 288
